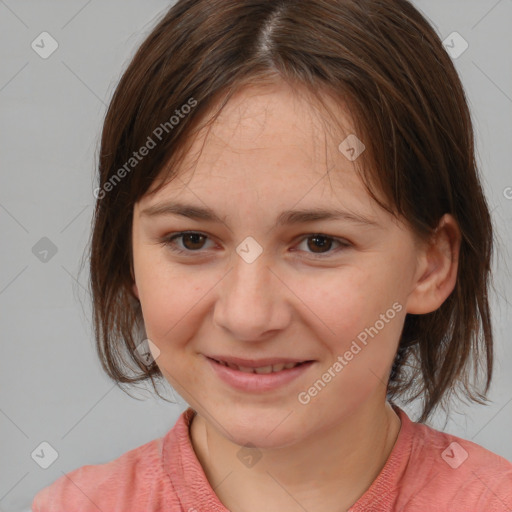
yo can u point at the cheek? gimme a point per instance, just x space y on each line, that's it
172 306
170 297
347 301
336 299
364 316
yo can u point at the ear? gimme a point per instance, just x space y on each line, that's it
437 269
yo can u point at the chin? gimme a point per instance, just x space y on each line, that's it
260 425
256 436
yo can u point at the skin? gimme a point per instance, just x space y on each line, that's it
267 152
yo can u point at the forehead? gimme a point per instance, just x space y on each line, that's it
275 143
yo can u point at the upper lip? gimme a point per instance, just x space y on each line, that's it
257 363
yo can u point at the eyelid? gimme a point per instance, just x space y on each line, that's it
343 243
168 241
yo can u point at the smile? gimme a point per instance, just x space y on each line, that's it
260 369
257 376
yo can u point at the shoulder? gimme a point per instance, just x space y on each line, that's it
452 473
93 487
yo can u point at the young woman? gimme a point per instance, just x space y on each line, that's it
291 228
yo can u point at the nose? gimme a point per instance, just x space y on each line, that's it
252 301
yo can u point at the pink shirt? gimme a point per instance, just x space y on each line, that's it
427 470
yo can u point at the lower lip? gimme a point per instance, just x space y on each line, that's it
257 382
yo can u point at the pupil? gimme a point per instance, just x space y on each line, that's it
326 242
194 237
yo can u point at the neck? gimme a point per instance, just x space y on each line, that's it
327 471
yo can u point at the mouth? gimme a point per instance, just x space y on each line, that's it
263 369
258 376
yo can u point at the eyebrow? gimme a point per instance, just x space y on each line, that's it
287 217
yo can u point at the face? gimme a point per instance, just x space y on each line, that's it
255 286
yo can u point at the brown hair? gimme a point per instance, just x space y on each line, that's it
381 57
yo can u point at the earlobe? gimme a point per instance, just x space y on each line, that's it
437 273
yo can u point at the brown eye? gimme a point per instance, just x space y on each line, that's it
322 246
193 241
190 242
320 243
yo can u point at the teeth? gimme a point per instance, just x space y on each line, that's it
245 369
261 369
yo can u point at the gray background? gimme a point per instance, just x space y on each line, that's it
51 386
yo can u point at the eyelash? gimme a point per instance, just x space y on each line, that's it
169 243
